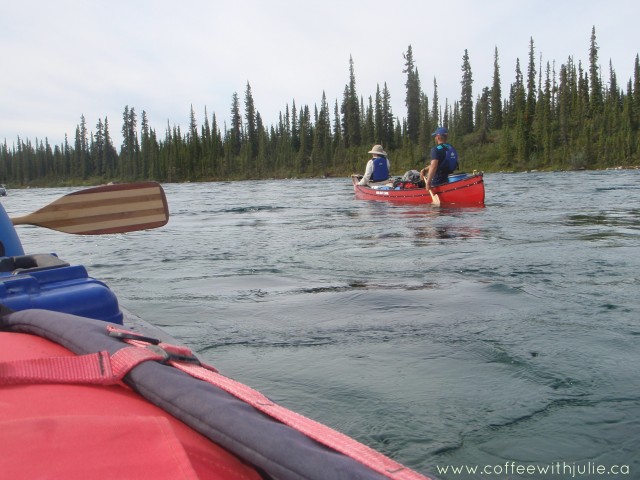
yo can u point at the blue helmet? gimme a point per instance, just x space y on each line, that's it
440 131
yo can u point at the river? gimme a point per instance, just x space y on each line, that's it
502 337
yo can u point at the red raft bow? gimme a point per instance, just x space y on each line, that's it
84 399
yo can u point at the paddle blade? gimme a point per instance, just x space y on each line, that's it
117 208
434 198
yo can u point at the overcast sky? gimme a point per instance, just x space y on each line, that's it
66 58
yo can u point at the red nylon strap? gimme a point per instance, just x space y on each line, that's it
127 358
94 368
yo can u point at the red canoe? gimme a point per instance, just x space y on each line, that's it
462 189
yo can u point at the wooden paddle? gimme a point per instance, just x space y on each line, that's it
116 208
435 200
434 197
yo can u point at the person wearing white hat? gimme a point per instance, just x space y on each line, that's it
378 167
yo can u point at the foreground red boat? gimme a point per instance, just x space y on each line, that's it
462 189
90 391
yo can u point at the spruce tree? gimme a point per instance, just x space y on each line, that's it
130 148
368 125
235 133
412 99
295 130
496 95
389 140
146 149
337 130
379 131
84 157
251 128
531 86
110 153
482 116
464 124
426 127
306 133
192 164
322 137
98 149
635 101
595 91
351 124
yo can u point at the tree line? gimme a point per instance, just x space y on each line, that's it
552 117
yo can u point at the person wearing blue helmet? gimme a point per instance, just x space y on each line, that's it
444 160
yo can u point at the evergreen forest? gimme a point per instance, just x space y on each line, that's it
552 118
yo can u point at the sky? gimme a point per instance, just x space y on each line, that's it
64 59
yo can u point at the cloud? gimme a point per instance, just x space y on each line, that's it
69 58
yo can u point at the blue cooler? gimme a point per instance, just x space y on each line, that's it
457 176
44 281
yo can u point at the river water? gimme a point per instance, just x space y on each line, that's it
502 337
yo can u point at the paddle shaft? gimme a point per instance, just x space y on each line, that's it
435 200
116 208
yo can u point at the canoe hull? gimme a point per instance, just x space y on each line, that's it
466 191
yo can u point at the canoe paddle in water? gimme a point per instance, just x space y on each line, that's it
435 200
116 208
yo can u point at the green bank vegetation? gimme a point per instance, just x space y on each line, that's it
552 118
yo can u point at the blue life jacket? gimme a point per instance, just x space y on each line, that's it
447 162
451 157
380 169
